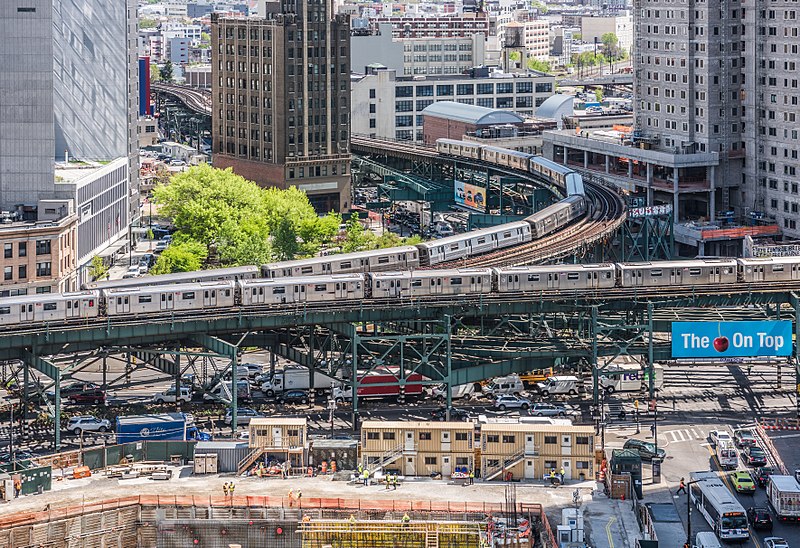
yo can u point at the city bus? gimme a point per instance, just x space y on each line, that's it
719 506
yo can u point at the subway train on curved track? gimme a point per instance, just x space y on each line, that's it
256 293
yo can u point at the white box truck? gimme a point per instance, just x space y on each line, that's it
297 378
783 493
629 377
458 392
559 384
510 384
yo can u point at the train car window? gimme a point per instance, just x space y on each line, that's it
75 304
50 306
260 290
279 290
338 287
454 247
656 273
5 310
472 280
695 272
69 305
302 289
777 268
189 295
510 279
306 270
438 281
455 281
254 291
533 277
320 287
346 264
22 309
508 234
163 298
416 283
126 300
413 255
145 299
205 294
358 285
169 297
119 300
296 289
481 240
572 276
383 260
377 283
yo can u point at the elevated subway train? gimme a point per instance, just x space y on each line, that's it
277 292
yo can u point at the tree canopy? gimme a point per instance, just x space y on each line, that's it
610 43
166 72
541 66
358 238
239 222
186 256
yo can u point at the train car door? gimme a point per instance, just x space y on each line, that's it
210 297
513 282
73 309
713 275
26 313
341 290
475 284
758 273
436 286
168 301
552 280
593 279
299 293
123 305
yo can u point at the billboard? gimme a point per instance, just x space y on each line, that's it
731 339
471 196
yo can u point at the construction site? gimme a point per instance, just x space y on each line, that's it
172 522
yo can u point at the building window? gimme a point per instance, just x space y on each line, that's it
492 438
509 439
582 440
23 249
485 89
462 461
8 273
492 463
549 464
444 91
388 435
23 271
404 121
372 93
43 247
43 269
505 102
424 91
373 435
430 461
424 436
8 251
404 91
505 87
524 87
404 106
550 439
461 436
465 89
487 102
45 289
582 464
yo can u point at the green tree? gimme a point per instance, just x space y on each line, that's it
243 223
186 256
577 36
541 66
610 43
166 72
598 94
539 6
357 238
155 73
147 23
98 269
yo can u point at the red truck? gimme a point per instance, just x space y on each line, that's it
411 388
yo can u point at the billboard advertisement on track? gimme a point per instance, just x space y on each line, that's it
470 196
731 339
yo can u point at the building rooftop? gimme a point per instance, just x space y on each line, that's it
471 114
536 427
556 106
73 172
276 421
417 424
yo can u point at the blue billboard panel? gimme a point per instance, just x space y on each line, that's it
731 339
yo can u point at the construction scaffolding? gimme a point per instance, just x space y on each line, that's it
390 534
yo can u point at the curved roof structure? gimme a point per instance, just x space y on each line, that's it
555 107
471 114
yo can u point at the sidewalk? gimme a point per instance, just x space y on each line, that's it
120 266
610 523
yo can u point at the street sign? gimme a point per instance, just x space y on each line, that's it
726 339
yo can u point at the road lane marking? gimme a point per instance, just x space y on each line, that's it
608 531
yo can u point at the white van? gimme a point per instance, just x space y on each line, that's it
706 540
561 384
510 384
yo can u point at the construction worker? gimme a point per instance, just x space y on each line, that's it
395 481
563 474
352 520
290 496
324 469
360 471
388 482
298 496
471 477
333 467
231 488
366 478
225 489
306 518
406 519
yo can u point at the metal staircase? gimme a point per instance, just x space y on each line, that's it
431 538
505 464
387 458
248 461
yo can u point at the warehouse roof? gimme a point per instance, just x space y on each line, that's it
555 107
471 114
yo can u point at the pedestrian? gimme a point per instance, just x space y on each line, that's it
682 487
225 489
17 487
471 477
653 429
298 496
290 496
333 467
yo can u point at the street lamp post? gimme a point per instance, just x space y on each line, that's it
689 511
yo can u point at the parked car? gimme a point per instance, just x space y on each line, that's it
754 456
87 423
509 401
646 449
133 272
759 517
743 483
718 436
761 475
744 437
775 542
294 396
548 410
254 369
243 415
73 388
456 414
88 396
168 396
